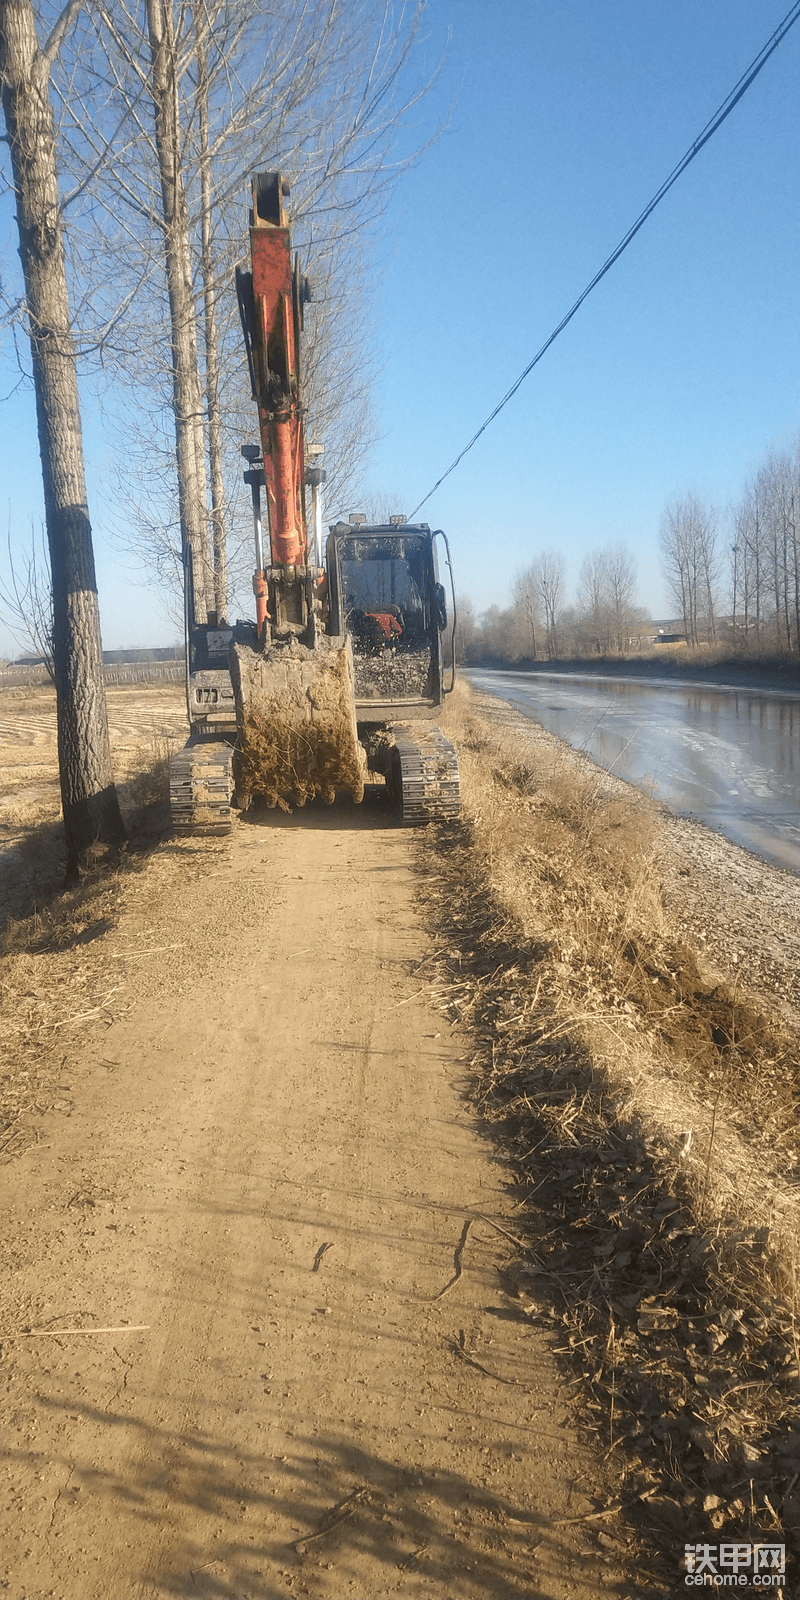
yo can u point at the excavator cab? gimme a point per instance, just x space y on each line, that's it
385 595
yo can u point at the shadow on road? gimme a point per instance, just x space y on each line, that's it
322 1517
375 811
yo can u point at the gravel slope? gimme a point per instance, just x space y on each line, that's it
741 912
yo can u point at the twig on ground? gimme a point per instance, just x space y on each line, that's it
457 1259
479 1217
57 1333
458 1347
125 955
323 1249
407 1001
416 1555
591 1516
335 1516
83 1016
459 1251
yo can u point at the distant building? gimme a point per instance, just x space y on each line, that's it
133 658
116 658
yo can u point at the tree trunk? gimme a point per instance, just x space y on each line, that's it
687 624
88 796
711 626
757 560
787 611
218 534
186 387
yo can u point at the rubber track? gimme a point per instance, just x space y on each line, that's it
430 780
201 787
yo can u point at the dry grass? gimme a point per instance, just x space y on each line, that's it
143 785
650 1115
53 983
684 658
57 976
572 860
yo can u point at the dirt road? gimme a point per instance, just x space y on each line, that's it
262 1155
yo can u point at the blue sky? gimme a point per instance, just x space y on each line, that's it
681 369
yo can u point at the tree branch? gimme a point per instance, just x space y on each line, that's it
49 51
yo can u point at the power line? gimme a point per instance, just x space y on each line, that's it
710 128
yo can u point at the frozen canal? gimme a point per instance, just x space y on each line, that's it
729 757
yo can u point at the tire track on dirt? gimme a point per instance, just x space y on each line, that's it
281 1083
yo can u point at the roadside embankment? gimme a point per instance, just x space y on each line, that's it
629 982
709 667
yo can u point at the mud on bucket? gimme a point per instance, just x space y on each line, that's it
297 723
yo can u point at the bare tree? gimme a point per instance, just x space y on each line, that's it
380 505
787 504
210 329
89 798
746 563
764 576
778 485
620 577
571 633
689 551
497 630
676 564
749 561
467 646
549 570
27 597
163 87
593 598
527 598
709 560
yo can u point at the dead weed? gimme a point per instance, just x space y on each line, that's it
651 1121
144 788
56 976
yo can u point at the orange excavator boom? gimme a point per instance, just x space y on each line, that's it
271 299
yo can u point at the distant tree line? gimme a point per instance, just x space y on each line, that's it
605 618
733 577
745 564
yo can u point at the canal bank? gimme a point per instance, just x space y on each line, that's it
725 756
777 674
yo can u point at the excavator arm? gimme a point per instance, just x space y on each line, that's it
271 298
294 692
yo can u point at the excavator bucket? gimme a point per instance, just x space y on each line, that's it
297 723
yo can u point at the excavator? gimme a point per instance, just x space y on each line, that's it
342 671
